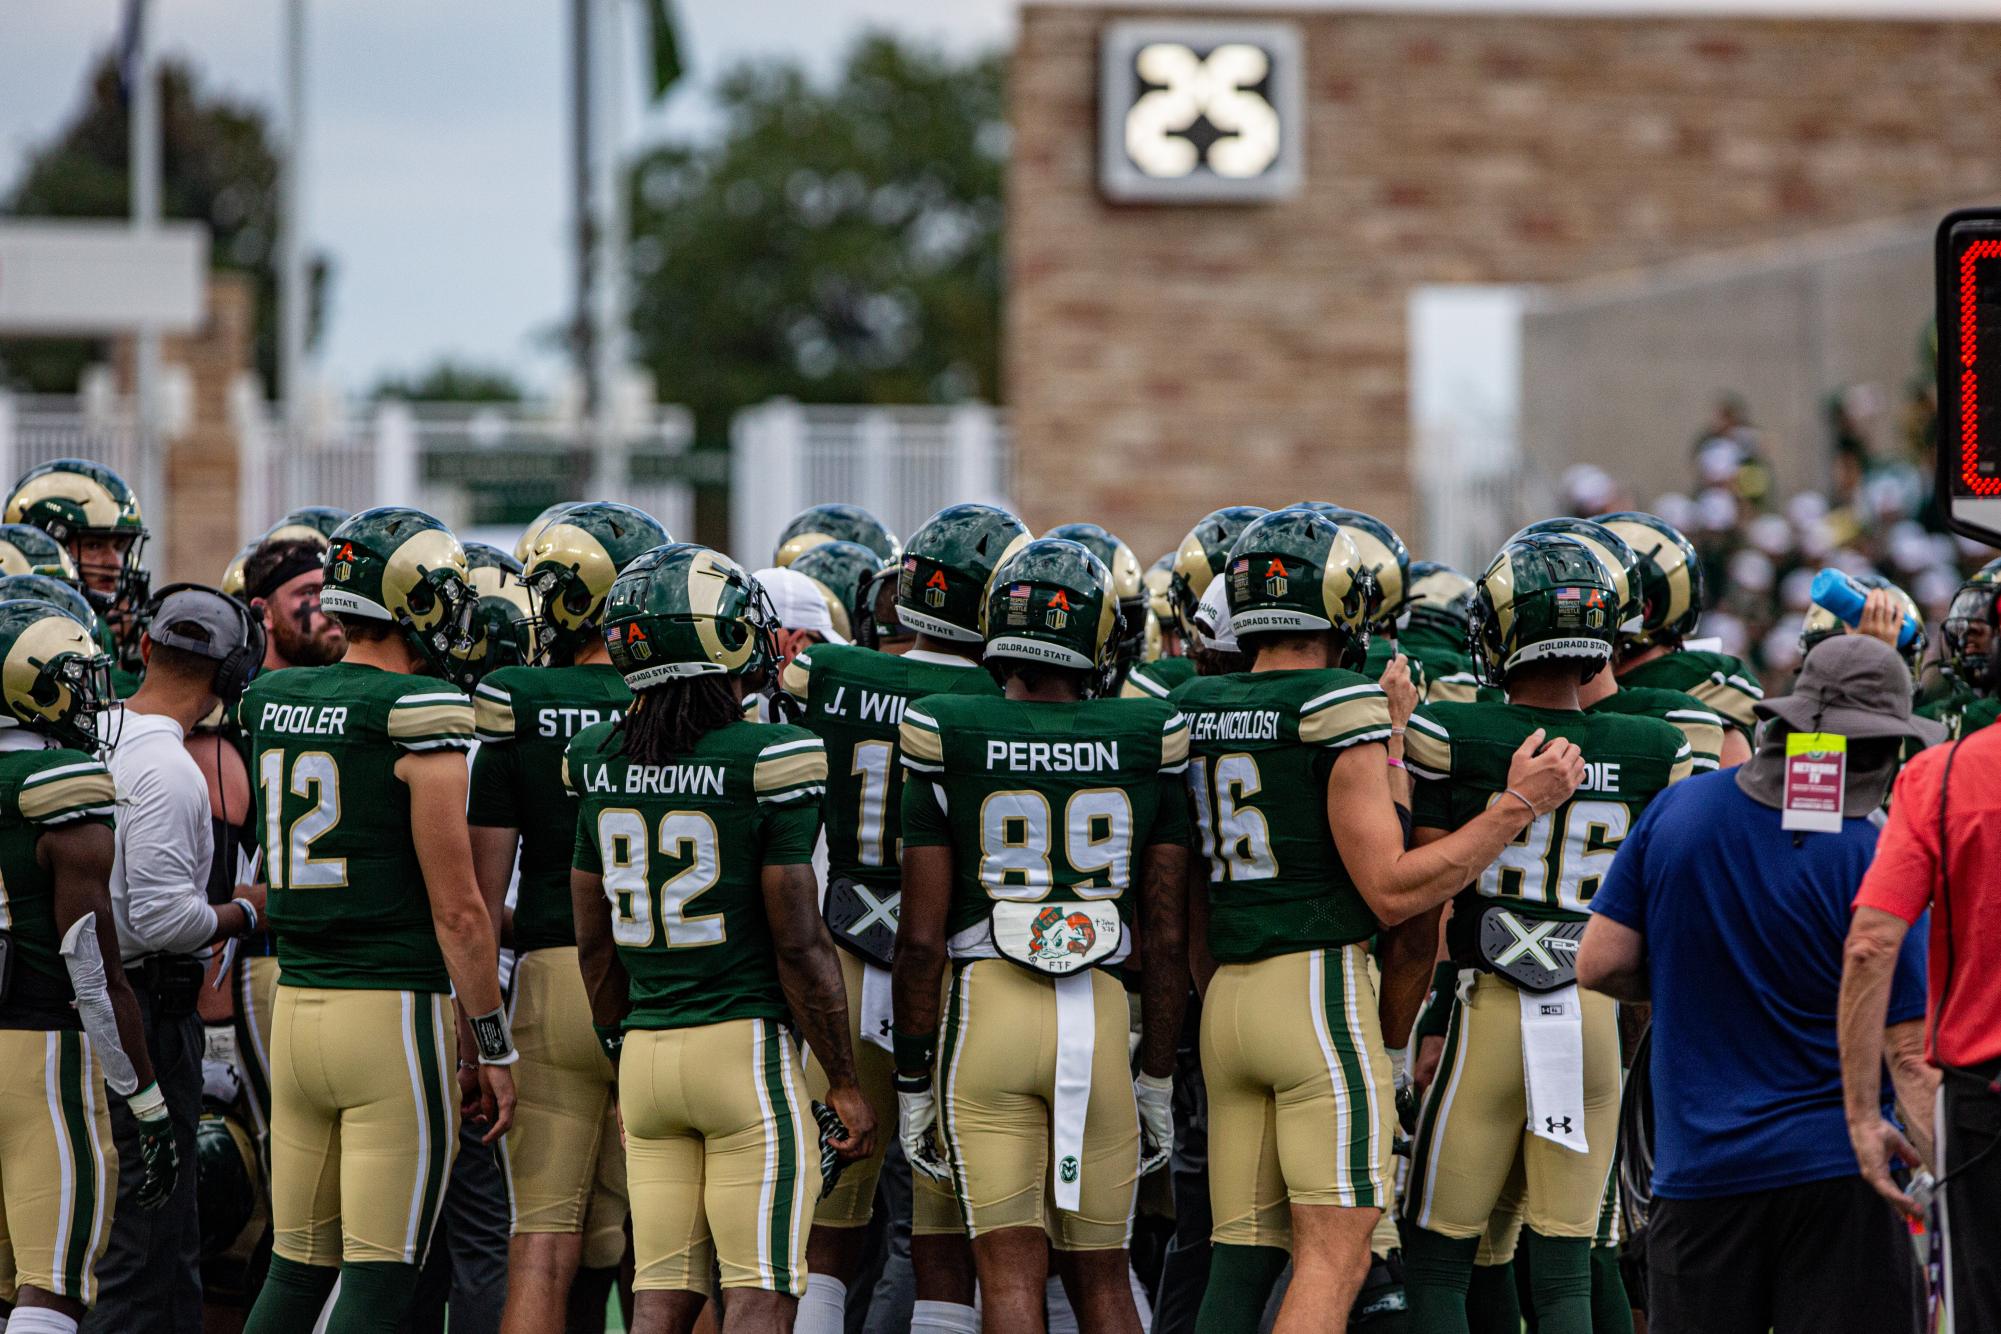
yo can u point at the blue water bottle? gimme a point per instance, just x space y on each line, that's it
1844 597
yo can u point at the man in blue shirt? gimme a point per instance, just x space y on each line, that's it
1733 928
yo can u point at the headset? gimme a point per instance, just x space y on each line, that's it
236 667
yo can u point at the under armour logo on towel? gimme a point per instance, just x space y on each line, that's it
1556 1125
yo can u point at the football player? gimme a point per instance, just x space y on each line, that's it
26 549
1525 1047
1197 561
1128 586
93 513
506 615
1036 828
310 523
1652 653
854 700
68 1021
361 783
1297 777
563 1150
701 942
1163 633
1437 630
817 524
845 572
1969 633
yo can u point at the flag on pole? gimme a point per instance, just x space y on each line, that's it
130 34
666 46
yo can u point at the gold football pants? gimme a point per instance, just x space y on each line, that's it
1474 1124
721 1156
364 1122
58 1168
1301 1109
562 1159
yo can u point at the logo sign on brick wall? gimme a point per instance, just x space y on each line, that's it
1199 112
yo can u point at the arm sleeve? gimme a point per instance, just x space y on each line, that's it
164 840
1623 896
429 720
1905 868
924 821
496 770
789 833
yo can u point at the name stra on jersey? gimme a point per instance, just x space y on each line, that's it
561 721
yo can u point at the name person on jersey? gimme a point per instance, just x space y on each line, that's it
1053 757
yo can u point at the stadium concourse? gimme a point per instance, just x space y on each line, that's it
964 930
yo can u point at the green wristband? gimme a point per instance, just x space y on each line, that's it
1437 1013
912 1051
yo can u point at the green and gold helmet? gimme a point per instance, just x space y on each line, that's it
72 499
684 610
1200 558
1383 555
58 593
1128 583
941 587
1159 580
834 523
1620 561
1970 652
1547 597
400 565
1441 598
1051 602
26 549
232 574
577 555
504 638
524 545
53 677
1296 571
845 572
1670 578
310 523
1821 624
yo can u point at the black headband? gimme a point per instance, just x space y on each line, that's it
299 562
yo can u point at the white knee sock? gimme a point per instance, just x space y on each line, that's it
824 1308
1055 1301
943 1318
39 1320
1140 1303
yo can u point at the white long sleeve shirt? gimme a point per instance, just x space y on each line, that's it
159 880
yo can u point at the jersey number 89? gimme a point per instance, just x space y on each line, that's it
1015 844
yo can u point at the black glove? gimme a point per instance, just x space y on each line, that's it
831 1129
161 1159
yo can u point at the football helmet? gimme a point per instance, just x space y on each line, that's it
834 523
1441 598
71 499
1200 558
62 596
1052 602
1670 578
1383 555
400 565
683 610
1971 627
1821 624
524 545
311 523
232 574
1620 561
26 549
1128 583
1298 570
941 585
1159 580
504 613
845 572
54 679
1547 597
576 557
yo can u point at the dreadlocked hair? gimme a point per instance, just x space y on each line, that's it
668 720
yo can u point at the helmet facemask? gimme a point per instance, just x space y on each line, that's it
441 619
1971 628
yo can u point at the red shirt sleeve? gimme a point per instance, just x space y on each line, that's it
1905 868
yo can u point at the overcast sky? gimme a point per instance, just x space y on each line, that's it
437 148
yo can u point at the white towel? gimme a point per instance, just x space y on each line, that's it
1553 1063
1076 1035
875 1016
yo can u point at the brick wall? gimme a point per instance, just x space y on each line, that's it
1161 361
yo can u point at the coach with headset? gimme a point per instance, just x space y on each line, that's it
1940 850
201 648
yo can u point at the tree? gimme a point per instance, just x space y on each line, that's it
219 166
833 244
448 381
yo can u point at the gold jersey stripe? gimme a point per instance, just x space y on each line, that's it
1684 765
799 769
1427 749
920 743
493 718
425 722
1174 744
44 802
1346 721
797 678
1728 698
568 786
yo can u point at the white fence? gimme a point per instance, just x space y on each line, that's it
902 463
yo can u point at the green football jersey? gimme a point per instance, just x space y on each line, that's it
854 700
1952 710
1701 725
1448 669
1156 679
41 790
525 718
682 848
1042 799
348 902
1724 684
1557 863
1261 748
1981 713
